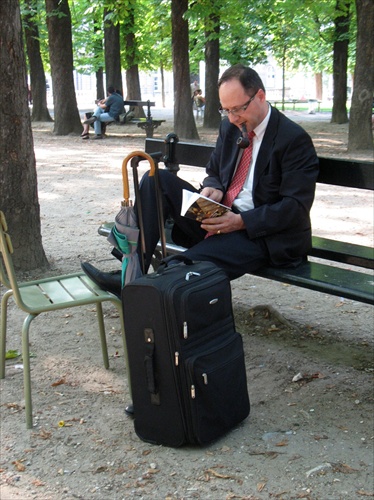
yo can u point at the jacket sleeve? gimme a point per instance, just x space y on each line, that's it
284 187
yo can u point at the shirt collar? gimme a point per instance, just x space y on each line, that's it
260 129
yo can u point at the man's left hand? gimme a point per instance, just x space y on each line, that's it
227 223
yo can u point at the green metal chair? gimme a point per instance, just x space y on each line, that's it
44 295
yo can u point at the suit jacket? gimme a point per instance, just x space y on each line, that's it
284 181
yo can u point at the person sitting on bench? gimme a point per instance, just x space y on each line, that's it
108 110
269 184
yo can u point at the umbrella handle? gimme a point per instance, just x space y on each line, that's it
125 177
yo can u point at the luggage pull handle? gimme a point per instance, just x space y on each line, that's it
168 262
149 365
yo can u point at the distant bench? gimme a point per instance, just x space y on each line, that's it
311 103
149 124
355 282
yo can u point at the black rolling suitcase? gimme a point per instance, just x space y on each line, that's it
188 376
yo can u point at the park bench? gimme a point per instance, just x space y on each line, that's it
149 124
333 267
312 103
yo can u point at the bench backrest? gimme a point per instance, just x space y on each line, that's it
335 171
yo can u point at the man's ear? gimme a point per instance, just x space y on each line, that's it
261 94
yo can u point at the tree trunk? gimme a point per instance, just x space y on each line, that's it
132 69
184 121
162 84
112 50
133 89
98 53
38 90
319 86
360 135
212 117
18 186
283 77
340 61
100 91
66 114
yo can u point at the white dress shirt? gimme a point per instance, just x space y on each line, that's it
244 200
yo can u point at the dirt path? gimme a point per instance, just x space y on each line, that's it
311 438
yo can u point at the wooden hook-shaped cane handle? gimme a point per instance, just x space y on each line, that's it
125 177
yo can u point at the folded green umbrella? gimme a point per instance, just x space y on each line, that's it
124 236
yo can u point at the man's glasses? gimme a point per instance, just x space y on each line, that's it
238 110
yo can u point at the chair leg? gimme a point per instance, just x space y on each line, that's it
26 369
3 325
120 312
104 347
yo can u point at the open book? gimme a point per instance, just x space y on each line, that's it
198 207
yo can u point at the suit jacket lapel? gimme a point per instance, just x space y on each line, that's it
267 144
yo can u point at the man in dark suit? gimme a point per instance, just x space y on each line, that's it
269 223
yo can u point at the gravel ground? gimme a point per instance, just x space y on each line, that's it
308 438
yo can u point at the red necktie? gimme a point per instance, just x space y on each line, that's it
240 175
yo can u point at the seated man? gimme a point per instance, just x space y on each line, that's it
108 110
267 178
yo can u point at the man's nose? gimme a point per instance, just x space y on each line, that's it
233 119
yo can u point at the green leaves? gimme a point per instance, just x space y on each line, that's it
11 354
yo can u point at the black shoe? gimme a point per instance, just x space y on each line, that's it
129 410
90 120
110 282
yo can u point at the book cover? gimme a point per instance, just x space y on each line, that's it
198 207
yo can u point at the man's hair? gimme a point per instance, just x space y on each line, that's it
248 77
110 89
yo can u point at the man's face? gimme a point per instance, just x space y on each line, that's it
233 98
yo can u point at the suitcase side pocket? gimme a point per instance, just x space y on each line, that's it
218 389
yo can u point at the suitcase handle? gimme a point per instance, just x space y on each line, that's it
149 365
166 263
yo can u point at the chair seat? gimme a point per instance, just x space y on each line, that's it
60 292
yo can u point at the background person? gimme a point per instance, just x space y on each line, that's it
108 110
199 100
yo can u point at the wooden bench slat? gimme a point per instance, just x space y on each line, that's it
320 277
335 171
139 103
346 173
341 251
353 285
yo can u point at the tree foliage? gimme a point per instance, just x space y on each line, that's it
300 34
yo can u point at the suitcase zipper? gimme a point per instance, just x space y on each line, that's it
184 300
190 362
173 324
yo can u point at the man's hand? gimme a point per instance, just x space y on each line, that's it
225 224
212 193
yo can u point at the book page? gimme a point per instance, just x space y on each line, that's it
198 207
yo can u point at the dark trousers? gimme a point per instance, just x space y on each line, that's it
234 252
